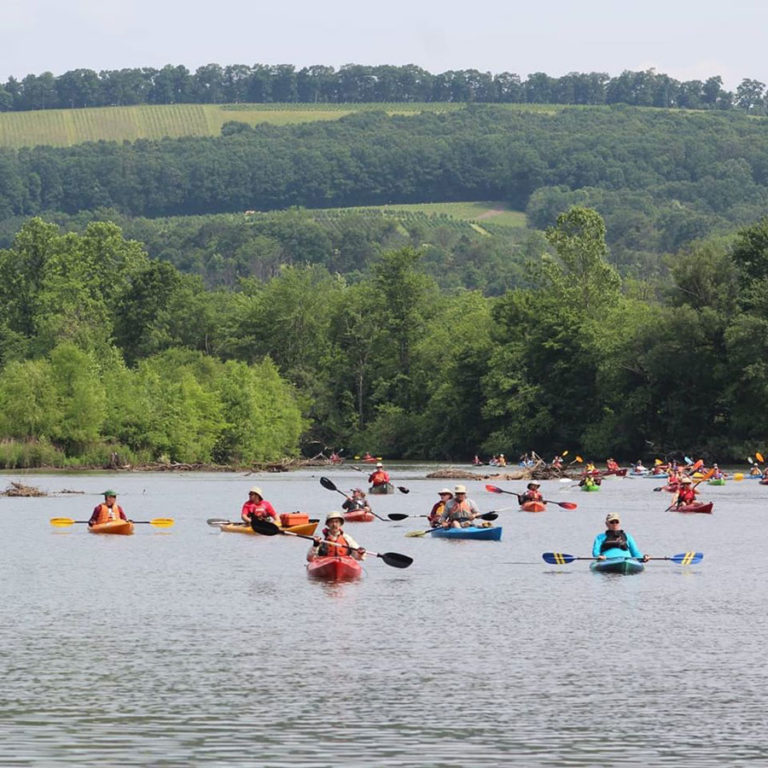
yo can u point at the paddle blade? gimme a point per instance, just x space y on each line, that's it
564 454
216 522
687 558
557 558
61 522
738 476
579 459
411 534
395 559
327 483
697 465
489 516
264 528
403 489
493 489
397 515
567 504
159 522
759 457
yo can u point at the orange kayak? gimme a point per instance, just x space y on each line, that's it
533 506
305 528
334 568
359 516
120 527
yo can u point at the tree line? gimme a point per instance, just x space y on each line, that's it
104 351
354 83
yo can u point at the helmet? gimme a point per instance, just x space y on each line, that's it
334 514
255 489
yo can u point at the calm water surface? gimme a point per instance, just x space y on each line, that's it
186 646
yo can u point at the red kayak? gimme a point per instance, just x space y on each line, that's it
764 481
334 568
359 516
697 506
618 472
533 506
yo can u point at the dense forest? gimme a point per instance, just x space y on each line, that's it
107 353
210 300
354 83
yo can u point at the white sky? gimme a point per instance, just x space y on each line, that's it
683 39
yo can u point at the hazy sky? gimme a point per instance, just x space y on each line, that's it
683 39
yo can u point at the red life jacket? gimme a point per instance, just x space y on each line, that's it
686 496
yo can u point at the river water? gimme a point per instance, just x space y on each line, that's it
187 646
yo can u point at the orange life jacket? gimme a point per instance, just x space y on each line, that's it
109 513
325 550
379 477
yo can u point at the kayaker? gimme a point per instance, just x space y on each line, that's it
109 510
533 493
615 542
459 511
589 481
334 522
557 462
611 464
378 476
257 506
686 493
717 473
639 467
356 502
438 508
502 460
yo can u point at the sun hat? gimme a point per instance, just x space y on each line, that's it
460 489
444 491
686 480
379 464
534 482
109 493
612 516
334 514
255 489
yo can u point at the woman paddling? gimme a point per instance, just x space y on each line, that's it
439 507
686 493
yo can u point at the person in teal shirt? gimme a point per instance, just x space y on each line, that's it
615 542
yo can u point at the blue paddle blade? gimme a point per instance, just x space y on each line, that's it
687 558
557 558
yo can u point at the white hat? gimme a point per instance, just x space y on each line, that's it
255 489
334 514
445 490
379 464
460 489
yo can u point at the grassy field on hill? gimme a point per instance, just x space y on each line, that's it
480 212
65 127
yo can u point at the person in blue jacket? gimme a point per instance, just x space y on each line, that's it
615 542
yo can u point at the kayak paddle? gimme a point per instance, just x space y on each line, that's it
563 504
402 515
395 559
157 522
684 558
330 485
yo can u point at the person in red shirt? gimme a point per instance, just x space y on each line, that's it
109 510
378 476
258 507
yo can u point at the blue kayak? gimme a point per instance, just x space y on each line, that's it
626 565
471 532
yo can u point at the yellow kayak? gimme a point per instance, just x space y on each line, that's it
120 527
